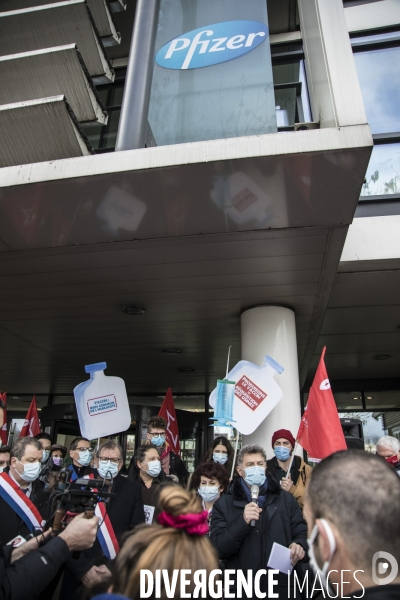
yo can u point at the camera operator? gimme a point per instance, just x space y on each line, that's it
124 512
26 571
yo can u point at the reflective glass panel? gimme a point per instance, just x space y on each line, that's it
379 76
383 173
230 99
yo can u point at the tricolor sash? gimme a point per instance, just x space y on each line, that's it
20 503
105 534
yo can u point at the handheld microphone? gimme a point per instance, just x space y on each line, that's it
254 498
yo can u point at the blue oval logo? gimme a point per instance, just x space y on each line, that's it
212 44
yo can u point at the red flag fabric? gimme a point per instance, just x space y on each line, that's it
3 419
167 411
320 432
31 425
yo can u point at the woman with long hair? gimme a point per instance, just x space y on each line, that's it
221 451
177 542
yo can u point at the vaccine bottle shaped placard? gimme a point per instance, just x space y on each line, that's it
256 393
102 404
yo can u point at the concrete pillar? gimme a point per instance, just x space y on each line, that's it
271 330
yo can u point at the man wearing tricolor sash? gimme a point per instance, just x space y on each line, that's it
23 502
122 513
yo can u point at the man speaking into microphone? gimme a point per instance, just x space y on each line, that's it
256 512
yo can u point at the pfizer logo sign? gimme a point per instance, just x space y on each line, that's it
212 44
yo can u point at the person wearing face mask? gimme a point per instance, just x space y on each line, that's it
57 455
221 452
4 457
45 440
209 480
388 447
294 482
244 531
125 511
354 527
22 476
147 472
171 463
81 455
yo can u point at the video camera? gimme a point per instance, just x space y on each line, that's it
80 496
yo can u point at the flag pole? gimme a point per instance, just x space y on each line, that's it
292 458
235 454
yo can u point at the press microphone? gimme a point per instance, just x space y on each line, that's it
254 498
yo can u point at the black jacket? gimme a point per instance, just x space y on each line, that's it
11 524
28 576
244 547
177 467
380 592
125 512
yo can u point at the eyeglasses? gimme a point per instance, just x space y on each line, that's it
157 435
84 449
103 460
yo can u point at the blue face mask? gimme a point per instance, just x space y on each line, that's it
158 441
107 469
220 457
255 475
282 453
154 468
209 493
45 456
84 457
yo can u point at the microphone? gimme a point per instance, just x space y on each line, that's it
254 498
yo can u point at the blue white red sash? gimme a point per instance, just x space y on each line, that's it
105 534
20 503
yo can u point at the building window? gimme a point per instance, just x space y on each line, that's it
377 59
291 97
290 86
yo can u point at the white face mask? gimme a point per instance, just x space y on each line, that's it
209 493
323 573
31 471
46 454
84 457
2 469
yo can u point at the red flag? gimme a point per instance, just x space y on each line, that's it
320 432
3 419
167 411
31 424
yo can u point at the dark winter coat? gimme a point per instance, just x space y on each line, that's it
11 524
243 547
29 575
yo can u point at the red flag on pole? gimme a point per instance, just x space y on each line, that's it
31 425
320 432
3 419
167 411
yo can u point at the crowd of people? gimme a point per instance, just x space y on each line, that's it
343 515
